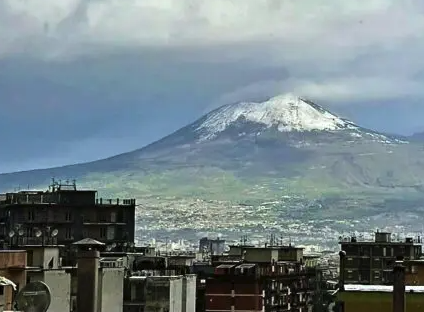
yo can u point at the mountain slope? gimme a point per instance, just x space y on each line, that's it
419 136
283 145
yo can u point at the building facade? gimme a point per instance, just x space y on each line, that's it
252 278
372 262
160 293
64 215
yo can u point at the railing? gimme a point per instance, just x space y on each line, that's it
116 201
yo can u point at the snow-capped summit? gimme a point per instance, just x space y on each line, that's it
285 112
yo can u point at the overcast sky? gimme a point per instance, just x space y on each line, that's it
85 79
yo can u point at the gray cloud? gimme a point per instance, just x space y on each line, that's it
81 71
330 49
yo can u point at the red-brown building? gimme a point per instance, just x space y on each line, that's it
263 279
235 287
13 267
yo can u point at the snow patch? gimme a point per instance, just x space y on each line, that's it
286 112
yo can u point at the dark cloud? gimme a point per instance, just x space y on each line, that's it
48 107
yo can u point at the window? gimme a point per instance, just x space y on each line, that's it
113 217
68 216
102 217
103 232
30 257
68 233
111 233
31 214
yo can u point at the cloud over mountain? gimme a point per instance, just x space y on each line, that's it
116 58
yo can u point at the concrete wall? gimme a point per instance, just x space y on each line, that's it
41 256
49 254
260 254
59 283
111 285
190 293
175 294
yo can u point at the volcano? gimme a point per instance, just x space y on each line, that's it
284 143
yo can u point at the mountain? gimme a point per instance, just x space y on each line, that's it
284 146
419 136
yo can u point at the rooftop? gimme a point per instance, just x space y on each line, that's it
380 238
380 288
60 194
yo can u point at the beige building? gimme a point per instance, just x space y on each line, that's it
44 264
161 293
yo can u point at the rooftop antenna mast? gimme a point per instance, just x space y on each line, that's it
272 241
243 240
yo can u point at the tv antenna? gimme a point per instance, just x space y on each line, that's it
243 240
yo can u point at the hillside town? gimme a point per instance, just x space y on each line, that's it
84 250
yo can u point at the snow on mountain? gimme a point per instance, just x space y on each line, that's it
285 112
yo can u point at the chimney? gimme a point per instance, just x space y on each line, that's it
399 287
88 274
342 255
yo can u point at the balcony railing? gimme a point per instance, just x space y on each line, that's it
116 201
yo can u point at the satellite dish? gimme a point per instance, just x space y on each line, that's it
34 297
38 233
21 232
11 233
113 245
54 233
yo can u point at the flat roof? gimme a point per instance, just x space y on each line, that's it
226 266
380 288
380 243
157 277
246 265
